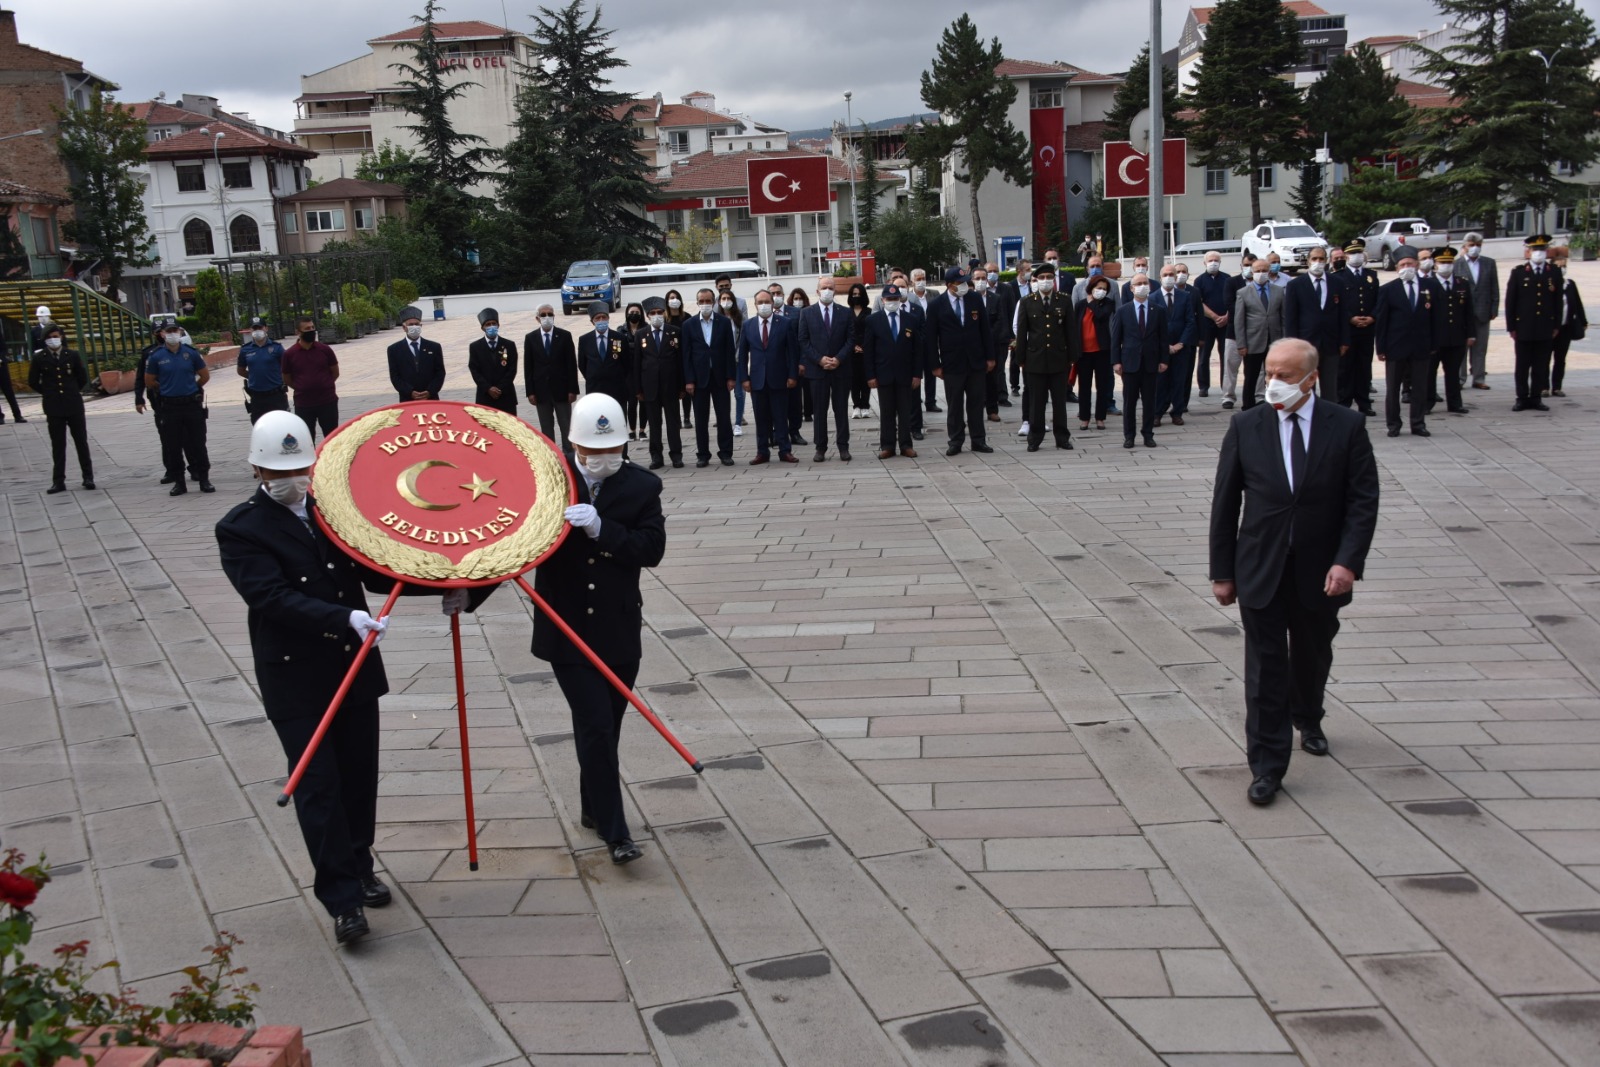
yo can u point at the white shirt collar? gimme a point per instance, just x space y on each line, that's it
1304 411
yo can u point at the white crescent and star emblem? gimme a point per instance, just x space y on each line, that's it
766 187
1047 159
1122 169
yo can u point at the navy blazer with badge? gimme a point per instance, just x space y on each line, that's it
1403 331
1333 512
961 340
773 365
1455 314
658 373
300 591
895 359
1183 308
553 377
1134 352
422 373
710 364
593 583
494 367
609 372
817 341
1358 296
1304 317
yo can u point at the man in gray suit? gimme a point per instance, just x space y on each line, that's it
1258 321
1484 276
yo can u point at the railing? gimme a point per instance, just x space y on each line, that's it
100 329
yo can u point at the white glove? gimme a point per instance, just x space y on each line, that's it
454 602
585 518
364 624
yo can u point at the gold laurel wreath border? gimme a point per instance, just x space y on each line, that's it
541 524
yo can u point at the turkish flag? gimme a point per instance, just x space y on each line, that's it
787 185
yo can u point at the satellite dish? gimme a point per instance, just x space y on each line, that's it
1139 131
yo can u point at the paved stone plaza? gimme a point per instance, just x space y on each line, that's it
974 787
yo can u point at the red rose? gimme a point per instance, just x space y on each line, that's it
16 890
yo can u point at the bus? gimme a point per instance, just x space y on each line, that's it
662 276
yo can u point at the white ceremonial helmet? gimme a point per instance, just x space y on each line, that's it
598 422
280 441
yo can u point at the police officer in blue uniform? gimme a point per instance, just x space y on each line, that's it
261 367
592 582
176 373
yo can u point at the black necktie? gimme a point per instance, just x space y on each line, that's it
658 340
894 326
1411 294
1141 318
416 355
827 319
546 342
1297 452
1319 293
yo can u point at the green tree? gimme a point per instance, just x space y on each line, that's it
573 59
692 243
905 237
1133 96
101 144
527 239
1249 113
1100 217
1522 96
390 163
1306 200
972 101
14 262
1372 193
1052 231
867 187
1357 107
210 300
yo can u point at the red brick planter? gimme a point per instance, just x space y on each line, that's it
203 1045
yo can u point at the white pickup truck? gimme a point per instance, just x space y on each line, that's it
1385 237
1292 239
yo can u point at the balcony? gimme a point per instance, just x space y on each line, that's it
333 120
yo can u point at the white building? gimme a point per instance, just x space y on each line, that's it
1322 36
210 192
669 133
347 111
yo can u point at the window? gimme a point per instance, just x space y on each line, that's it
1516 220
244 235
291 222
191 179
363 218
1566 218
236 175
1268 181
1565 169
197 239
780 222
43 243
321 221
1045 97
742 220
711 219
1216 229
1216 179
678 142
820 219
299 180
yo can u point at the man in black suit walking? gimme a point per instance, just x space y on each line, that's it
1403 338
1304 472
416 365
963 356
708 376
552 374
1311 313
1139 355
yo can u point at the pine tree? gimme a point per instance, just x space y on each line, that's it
389 163
101 144
531 235
1512 114
1306 200
1133 96
1249 113
1371 193
867 187
972 101
1357 106
572 63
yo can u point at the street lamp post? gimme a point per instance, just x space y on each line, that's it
24 133
855 223
1548 61
222 200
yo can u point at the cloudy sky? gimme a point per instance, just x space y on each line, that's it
785 67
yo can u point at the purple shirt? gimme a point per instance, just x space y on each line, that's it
311 370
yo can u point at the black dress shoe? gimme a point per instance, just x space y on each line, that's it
727 461
1421 431
1004 402
88 483
1538 406
19 418
374 894
624 851
983 448
351 926
1262 790
844 455
1072 397
1316 744
1065 446
1149 440
953 450
58 487
916 435
935 409
1458 411
796 439
1032 447
702 463
207 487
1127 442
586 821
677 463
656 464
168 480
1520 405
820 457
1370 413
178 489
1393 432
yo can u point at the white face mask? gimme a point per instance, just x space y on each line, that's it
824 296
1213 266
413 332
1472 251
1183 277
891 306
981 285
1319 267
602 466
1141 291
288 491
1169 281
706 310
919 286
1261 277
1408 274
258 336
674 303
1054 262
1446 269
1097 294
174 340
657 321
1281 394
797 303
1044 285
961 289
1425 266
547 321
727 303
764 310
52 343
1356 260
1536 256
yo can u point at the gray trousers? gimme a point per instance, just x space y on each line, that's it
561 414
1473 365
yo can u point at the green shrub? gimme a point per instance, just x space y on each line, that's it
404 291
210 300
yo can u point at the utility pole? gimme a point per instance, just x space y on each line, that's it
1157 133
855 223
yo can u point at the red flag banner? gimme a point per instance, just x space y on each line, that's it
787 185
1047 129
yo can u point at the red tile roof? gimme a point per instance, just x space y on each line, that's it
1301 8
648 109
17 193
689 115
448 31
195 144
1393 38
1032 68
706 172
1086 136
157 113
347 189
1420 94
